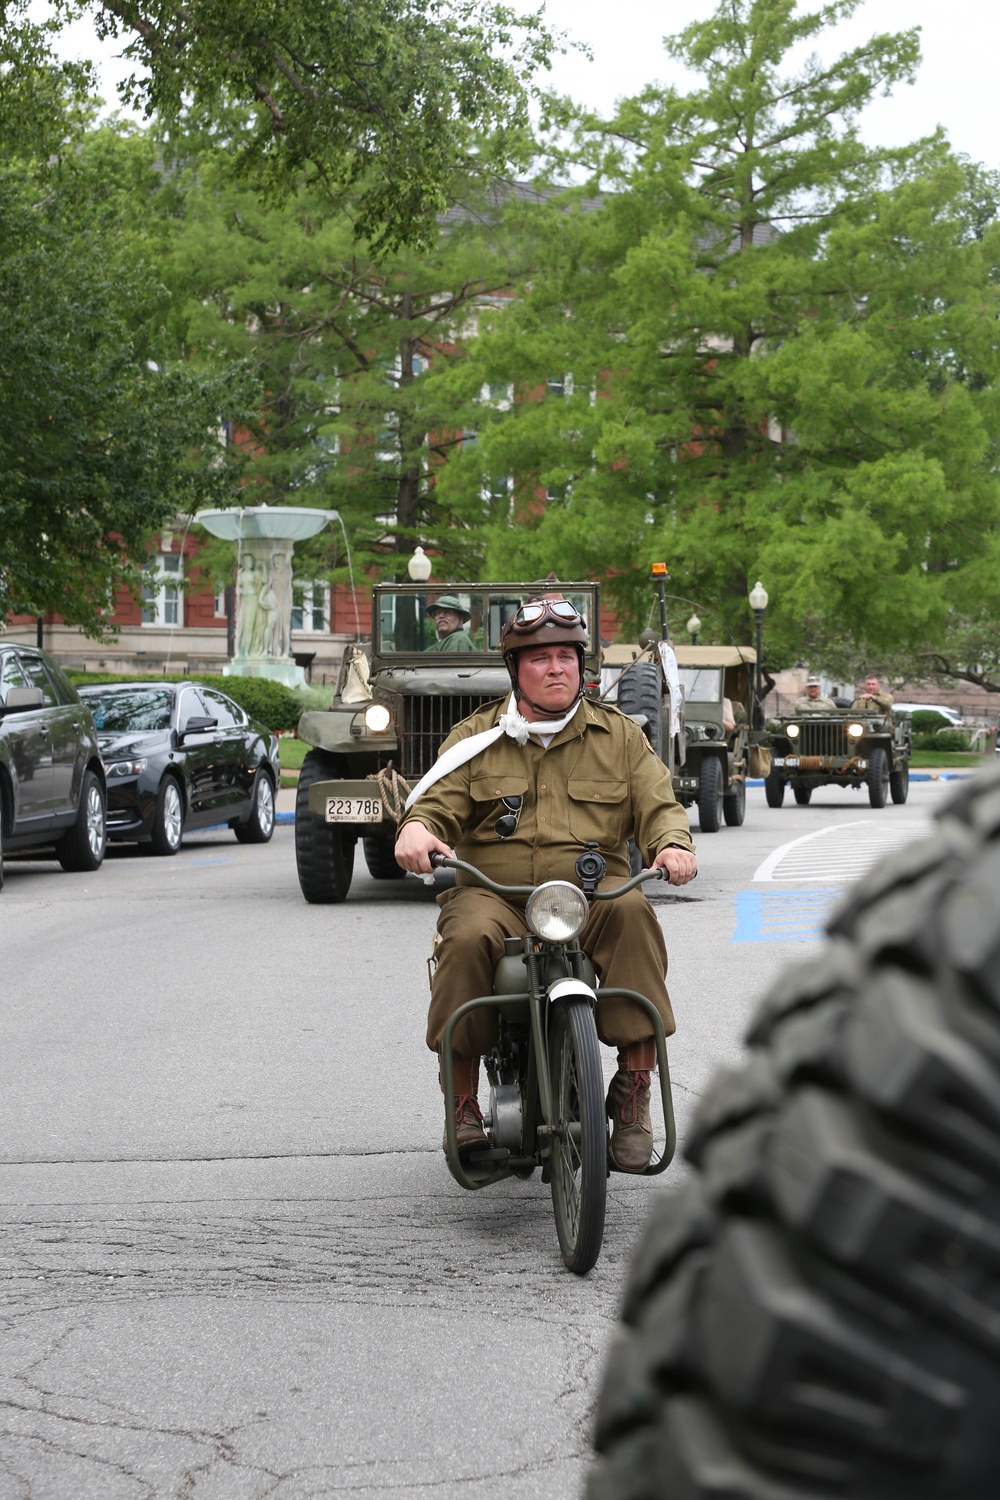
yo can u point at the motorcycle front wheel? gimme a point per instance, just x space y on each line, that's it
578 1170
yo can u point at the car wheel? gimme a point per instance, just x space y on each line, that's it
259 827
812 1313
710 795
81 848
168 818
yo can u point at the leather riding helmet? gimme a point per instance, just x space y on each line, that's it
543 622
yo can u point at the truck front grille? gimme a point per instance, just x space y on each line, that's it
427 723
819 738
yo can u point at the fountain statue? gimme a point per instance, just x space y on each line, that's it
265 537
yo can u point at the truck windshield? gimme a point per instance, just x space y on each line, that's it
446 621
701 684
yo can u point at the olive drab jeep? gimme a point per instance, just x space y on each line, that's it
847 748
714 775
398 697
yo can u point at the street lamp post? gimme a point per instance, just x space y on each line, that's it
758 603
693 627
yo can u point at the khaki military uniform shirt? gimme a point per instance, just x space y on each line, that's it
869 703
820 704
598 781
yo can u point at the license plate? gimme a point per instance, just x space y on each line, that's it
788 760
353 810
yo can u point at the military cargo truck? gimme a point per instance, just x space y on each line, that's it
397 699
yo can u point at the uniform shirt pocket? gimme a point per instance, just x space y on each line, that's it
487 793
597 810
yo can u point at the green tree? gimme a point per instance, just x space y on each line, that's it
101 439
351 347
782 347
380 103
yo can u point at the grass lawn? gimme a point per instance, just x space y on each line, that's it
293 753
925 760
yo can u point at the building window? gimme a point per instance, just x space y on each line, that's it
162 599
559 385
311 606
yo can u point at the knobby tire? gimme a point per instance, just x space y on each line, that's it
580 1144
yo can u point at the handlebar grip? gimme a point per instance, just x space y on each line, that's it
436 858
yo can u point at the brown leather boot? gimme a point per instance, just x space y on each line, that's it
468 1116
631 1144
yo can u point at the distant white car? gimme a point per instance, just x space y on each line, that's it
930 708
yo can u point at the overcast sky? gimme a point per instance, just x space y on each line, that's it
955 87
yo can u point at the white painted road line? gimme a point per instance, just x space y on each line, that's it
841 851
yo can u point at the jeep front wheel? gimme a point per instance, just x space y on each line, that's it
324 852
774 788
878 778
899 782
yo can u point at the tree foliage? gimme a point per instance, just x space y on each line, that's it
101 440
380 103
782 347
351 348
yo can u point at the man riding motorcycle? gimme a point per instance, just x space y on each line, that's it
518 789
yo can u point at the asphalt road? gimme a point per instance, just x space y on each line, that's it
234 1265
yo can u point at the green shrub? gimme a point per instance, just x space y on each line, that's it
944 739
928 721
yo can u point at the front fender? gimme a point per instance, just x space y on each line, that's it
564 989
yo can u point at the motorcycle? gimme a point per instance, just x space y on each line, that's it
547 1098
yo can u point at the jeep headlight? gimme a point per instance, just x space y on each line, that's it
377 718
855 731
792 730
556 911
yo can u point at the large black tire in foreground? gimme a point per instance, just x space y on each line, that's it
817 1313
324 853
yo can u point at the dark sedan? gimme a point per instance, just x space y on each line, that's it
180 756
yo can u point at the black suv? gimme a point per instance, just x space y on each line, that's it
52 788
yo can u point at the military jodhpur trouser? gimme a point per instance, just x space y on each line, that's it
622 937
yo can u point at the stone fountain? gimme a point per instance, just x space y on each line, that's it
265 537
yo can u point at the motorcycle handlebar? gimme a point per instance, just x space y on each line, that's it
443 862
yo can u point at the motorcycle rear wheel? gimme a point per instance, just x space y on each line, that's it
578 1170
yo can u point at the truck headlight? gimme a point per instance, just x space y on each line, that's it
855 731
556 911
792 730
377 718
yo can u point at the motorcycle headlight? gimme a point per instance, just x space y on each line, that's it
377 717
855 731
556 911
792 730
124 767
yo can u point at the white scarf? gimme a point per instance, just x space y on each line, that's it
511 723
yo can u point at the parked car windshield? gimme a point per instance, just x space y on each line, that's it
701 684
130 710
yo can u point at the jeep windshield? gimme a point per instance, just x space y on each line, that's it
701 684
454 620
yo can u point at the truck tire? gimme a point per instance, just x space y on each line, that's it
802 794
899 782
324 852
774 788
878 778
734 804
814 1314
710 794
640 691
380 859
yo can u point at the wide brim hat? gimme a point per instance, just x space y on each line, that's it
449 602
